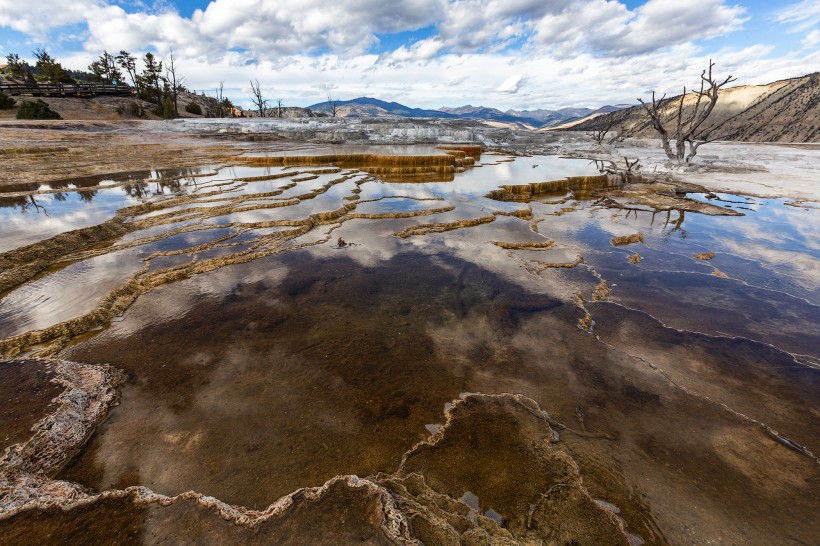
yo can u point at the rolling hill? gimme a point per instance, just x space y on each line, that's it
782 111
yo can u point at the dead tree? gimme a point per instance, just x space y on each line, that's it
220 99
334 105
279 108
599 134
621 134
258 100
687 126
171 77
631 173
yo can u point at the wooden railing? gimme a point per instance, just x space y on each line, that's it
65 89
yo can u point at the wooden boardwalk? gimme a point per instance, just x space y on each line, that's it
65 89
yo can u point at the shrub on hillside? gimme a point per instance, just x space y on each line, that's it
6 102
131 109
193 108
36 110
168 109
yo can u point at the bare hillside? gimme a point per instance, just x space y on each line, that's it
783 111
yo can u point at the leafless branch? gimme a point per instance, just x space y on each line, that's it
599 134
258 99
333 105
687 126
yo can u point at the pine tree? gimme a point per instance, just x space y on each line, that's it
151 78
48 67
105 69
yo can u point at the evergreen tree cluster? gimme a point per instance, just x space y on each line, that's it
156 83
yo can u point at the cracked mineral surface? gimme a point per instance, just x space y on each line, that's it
233 337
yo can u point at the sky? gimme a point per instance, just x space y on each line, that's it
521 54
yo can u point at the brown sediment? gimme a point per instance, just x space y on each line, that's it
471 151
704 256
578 261
26 394
351 160
664 197
305 178
88 392
527 192
601 291
262 178
21 151
499 449
536 245
111 153
627 239
803 204
409 214
523 214
440 227
542 265
634 258
346 510
402 168
718 273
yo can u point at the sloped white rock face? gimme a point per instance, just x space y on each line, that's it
380 130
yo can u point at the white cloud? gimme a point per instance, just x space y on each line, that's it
567 52
37 18
283 27
420 51
512 84
812 39
801 16
487 79
265 27
607 26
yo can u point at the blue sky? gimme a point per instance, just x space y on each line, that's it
431 53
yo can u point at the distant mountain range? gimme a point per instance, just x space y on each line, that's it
525 119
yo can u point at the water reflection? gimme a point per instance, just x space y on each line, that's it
664 343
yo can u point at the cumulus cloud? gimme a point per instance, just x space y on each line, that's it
512 84
266 27
37 18
419 51
284 27
608 27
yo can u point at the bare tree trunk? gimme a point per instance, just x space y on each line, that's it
258 100
279 107
687 127
599 134
171 76
333 105
655 118
219 100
